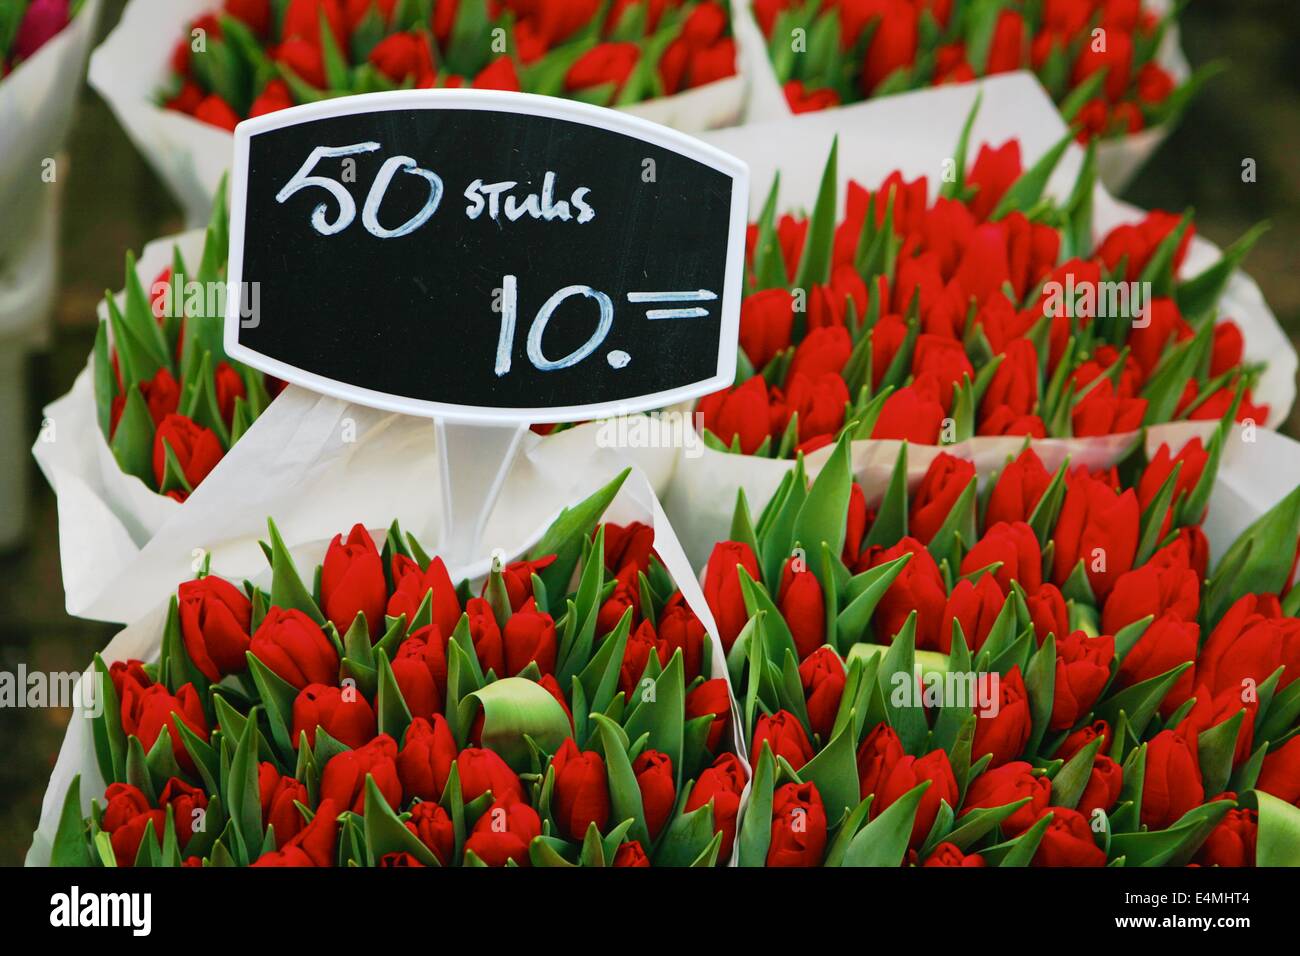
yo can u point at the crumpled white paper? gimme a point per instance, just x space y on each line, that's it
1118 160
1258 469
133 65
121 544
36 106
523 509
916 132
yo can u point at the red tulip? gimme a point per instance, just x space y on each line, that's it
1008 784
314 845
411 585
581 795
1172 784
604 63
912 413
1166 585
641 643
1017 490
1136 243
1006 52
1068 841
992 173
893 43
943 483
822 676
1005 733
1015 547
742 412
481 771
658 786
631 854
1100 528
947 854
945 359
1082 737
1082 671
1105 783
195 449
403 56
274 97
721 783
343 713
504 832
1165 644
803 607
278 795
302 19
529 637
722 587
712 698
908 773
214 111
1280 774
976 607
786 735
1232 841
125 819
1048 611
877 754
344 777
146 710
420 669
352 582
1014 386
1249 643
424 762
679 629
630 544
919 587
214 622
798 826
1211 710
766 318
293 646
433 826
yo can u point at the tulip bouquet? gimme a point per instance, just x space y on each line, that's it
1043 672
43 45
1097 58
27 25
180 74
169 402
265 55
1113 67
382 715
984 310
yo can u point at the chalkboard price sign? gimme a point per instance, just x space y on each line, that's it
485 257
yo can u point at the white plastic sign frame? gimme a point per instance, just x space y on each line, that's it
499 102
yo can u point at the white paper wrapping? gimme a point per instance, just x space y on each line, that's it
1118 160
1258 469
121 543
524 512
916 132
36 106
133 65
